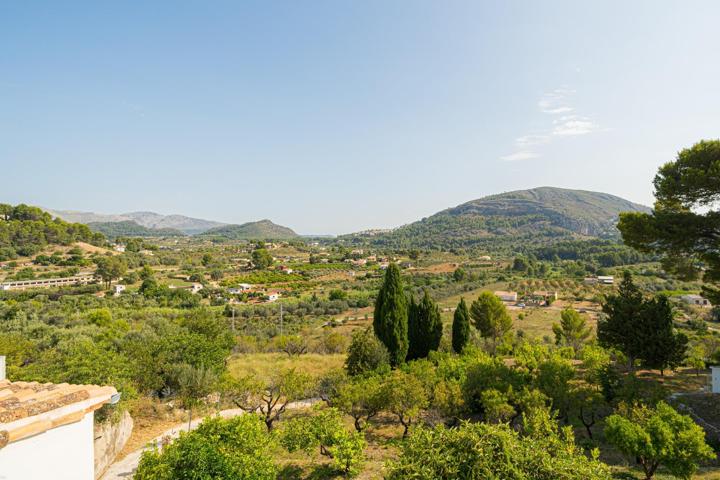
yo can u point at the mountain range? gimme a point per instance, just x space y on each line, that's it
528 217
524 217
150 220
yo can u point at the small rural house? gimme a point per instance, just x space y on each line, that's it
606 279
507 296
273 296
544 297
243 287
46 430
119 289
696 300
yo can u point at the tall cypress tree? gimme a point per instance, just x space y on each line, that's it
391 316
413 329
424 327
460 327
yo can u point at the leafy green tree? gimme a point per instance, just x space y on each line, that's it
491 318
362 398
685 220
366 353
664 348
621 325
110 268
424 328
520 264
6 211
460 327
390 322
194 384
234 449
337 294
272 396
261 258
696 358
659 436
324 429
572 330
405 397
496 406
553 378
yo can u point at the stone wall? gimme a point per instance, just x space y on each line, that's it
110 438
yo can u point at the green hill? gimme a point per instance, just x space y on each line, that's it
261 230
25 230
535 217
130 228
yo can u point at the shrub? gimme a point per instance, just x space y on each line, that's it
233 449
366 353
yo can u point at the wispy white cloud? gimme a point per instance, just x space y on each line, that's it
557 101
521 155
574 125
566 123
531 140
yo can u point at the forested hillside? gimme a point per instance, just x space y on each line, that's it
25 230
535 217
263 229
130 228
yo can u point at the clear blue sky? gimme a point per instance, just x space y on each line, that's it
335 116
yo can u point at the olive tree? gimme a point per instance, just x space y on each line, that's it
324 429
659 436
269 397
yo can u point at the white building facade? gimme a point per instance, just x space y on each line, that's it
46 430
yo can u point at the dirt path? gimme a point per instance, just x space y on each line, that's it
125 468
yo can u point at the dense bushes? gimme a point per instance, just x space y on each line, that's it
134 350
234 449
478 451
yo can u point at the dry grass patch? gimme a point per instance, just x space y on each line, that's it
263 365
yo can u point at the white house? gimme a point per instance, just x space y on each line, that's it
715 379
696 300
119 289
506 296
46 430
606 279
272 296
243 287
119 248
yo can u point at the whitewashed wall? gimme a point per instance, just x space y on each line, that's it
63 453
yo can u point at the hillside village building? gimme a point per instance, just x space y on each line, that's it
49 282
46 430
696 300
